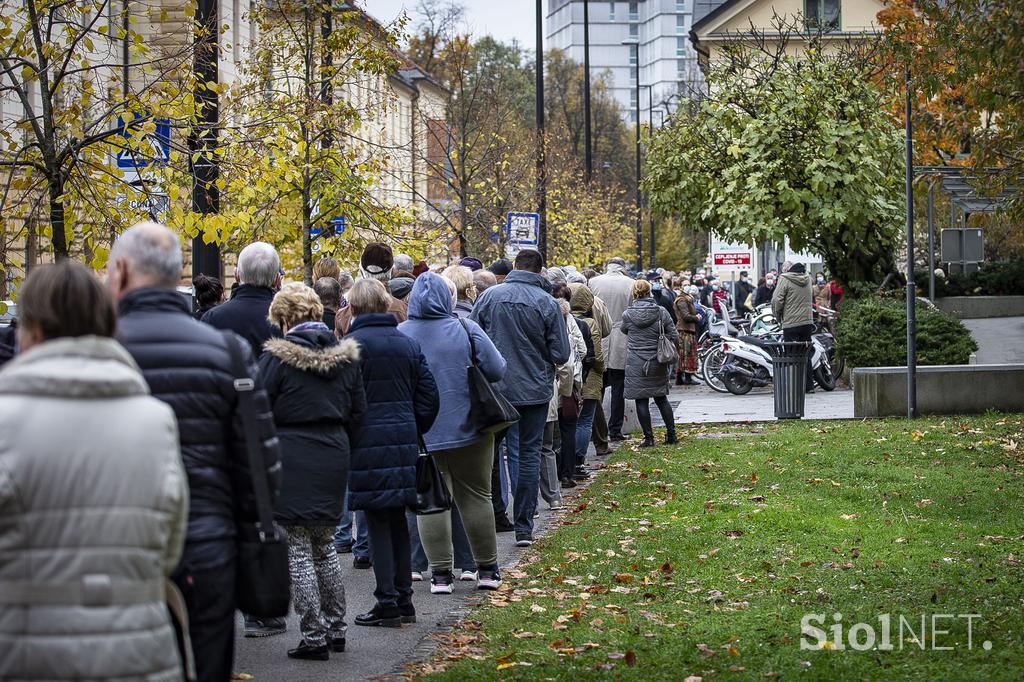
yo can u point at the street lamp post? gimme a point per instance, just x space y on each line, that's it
639 196
911 297
652 257
587 144
542 200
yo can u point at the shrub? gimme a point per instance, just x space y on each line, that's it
1005 278
872 332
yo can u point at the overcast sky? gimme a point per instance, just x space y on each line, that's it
504 19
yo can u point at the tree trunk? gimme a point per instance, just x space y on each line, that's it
57 227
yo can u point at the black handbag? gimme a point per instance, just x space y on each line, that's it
262 583
432 494
489 411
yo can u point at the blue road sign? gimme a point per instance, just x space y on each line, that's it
336 226
156 146
522 229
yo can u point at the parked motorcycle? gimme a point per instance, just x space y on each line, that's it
748 363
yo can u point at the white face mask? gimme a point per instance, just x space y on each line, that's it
769 282
715 287
821 280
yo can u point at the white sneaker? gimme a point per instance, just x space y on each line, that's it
417 577
555 504
468 575
441 584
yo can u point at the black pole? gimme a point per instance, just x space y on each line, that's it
639 196
650 132
587 145
911 307
931 241
542 200
202 141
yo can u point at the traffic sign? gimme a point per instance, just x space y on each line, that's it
335 226
155 148
522 231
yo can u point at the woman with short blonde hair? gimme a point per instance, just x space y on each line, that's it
465 288
294 304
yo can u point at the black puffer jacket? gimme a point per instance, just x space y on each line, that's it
187 365
316 393
246 315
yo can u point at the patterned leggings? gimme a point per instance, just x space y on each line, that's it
317 590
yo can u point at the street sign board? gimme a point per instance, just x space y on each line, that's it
522 231
730 257
804 257
962 245
151 199
156 147
335 226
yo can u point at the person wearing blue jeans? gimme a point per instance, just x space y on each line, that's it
584 427
526 480
343 536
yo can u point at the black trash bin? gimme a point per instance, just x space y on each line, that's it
789 375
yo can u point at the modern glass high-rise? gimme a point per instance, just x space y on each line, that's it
661 28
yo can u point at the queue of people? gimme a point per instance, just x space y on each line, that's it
321 398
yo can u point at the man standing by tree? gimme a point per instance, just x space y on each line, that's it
187 365
792 307
614 289
525 324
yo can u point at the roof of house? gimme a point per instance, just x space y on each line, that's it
706 10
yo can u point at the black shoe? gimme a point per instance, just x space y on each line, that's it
679 380
616 437
362 562
524 539
336 643
604 453
312 653
407 612
345 549
266 627
648 442
502 524
380 616
568 483
671 439
580 473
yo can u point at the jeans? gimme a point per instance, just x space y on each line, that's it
802 333
584 428
209 593
530 433
643 413
616 378
466 471
458 541
392 558
343 534
318 592
510 469
550 488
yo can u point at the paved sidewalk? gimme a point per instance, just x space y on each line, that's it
1000 339
700 404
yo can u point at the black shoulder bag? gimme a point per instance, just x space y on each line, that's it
489 411
263 584
432 494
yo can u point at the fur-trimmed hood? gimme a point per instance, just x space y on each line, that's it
302 355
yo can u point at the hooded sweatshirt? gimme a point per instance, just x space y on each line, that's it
792 299
444 342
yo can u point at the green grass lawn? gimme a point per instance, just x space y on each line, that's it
702 559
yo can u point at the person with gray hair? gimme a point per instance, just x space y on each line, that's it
329 291
403 262
188 365
259 276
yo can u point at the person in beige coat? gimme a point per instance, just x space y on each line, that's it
93 497
614 290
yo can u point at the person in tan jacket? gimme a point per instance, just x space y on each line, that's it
93 496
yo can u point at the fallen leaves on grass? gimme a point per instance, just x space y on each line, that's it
849 517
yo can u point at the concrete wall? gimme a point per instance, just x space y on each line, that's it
975 307
946 389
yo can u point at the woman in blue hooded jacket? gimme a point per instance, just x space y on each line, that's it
463 455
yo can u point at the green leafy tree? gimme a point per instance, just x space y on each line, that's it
784 144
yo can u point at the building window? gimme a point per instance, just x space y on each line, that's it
611 11
682 69
680 6
634 30
680 23
680 46
633 54
634 11
822 14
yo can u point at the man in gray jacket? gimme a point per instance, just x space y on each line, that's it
792 306
526 326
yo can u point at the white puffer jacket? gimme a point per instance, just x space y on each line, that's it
93 506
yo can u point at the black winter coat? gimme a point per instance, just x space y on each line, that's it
246 315
187 365
402 402
316 393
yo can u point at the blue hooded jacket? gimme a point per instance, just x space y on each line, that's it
445 344
526 326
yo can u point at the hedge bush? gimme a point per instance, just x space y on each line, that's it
872 332
1005 278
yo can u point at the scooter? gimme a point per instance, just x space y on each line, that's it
748 363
